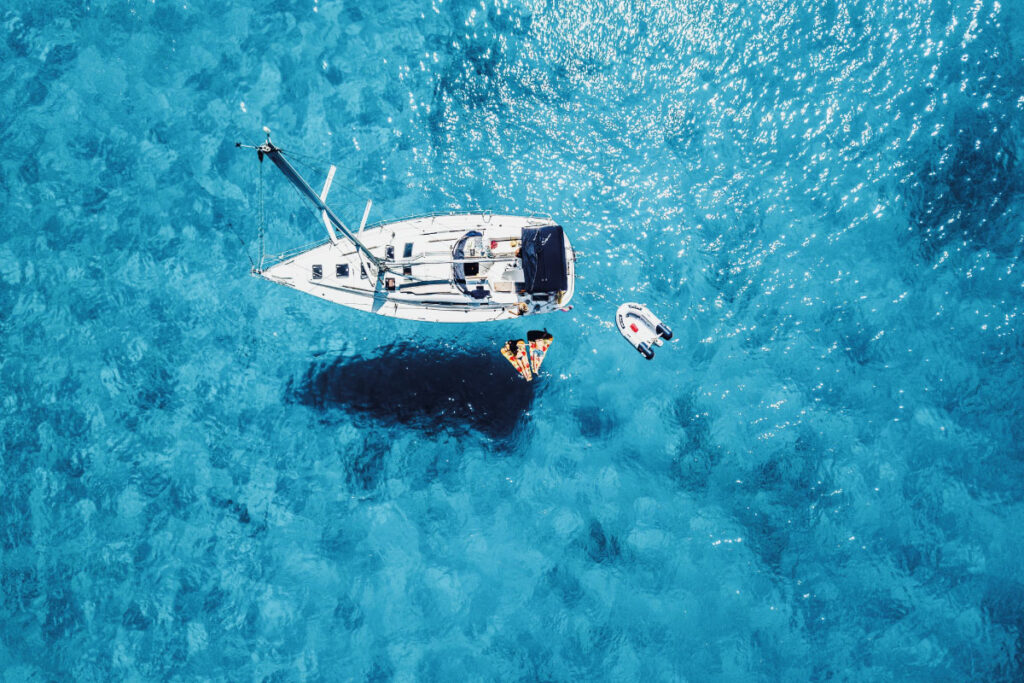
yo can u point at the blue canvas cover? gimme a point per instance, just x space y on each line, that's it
543 255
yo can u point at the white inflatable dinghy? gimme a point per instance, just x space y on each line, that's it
641 328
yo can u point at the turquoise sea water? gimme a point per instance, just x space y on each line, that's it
204 475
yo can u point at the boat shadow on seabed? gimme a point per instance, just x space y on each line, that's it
436 388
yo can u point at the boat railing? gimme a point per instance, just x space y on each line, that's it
273 259
435 214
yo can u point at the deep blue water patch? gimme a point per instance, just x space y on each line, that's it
203 475
431 388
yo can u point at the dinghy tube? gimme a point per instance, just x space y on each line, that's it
641 328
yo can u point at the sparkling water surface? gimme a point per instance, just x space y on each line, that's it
204 475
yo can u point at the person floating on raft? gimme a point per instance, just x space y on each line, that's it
525 357
514 351
539 343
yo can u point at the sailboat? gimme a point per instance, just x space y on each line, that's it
440 267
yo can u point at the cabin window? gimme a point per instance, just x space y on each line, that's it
471 269
318 271
407 252
362 271
389 284
341 270
389 252
406 270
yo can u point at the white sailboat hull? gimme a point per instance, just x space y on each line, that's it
420 282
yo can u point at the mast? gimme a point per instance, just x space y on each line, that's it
268 149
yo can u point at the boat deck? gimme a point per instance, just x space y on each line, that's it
421 283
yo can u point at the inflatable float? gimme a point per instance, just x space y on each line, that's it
515 351
526 357
641 328
539 342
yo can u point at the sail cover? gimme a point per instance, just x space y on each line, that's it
543 257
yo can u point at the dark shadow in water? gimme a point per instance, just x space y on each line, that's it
433 388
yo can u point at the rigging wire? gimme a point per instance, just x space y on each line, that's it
314 165
261 222
244 245
317 218
309 167
372 270
366 265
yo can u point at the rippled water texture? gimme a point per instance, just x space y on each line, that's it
207 475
